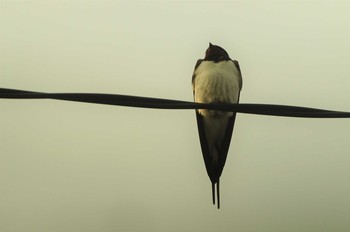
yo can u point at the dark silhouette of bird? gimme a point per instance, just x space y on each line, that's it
216 79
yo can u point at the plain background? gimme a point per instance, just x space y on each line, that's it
84 167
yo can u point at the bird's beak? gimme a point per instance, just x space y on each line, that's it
210 45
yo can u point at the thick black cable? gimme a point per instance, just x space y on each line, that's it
157 103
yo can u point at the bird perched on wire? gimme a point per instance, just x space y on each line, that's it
216 79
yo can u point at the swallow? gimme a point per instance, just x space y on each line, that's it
216 79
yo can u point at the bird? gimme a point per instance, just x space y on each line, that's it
216 79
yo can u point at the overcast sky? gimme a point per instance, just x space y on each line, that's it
68 166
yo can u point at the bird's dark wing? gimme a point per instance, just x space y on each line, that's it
206 154
204 144
214 169
223 150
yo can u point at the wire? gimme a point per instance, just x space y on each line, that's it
157 103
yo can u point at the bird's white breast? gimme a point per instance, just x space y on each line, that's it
216 82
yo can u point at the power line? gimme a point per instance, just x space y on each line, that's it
158 103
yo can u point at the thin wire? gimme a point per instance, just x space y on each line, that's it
157 103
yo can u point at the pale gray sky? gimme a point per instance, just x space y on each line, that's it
82 167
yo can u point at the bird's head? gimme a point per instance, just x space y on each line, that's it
216 53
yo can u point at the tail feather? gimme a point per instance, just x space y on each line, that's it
217 192
213 191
